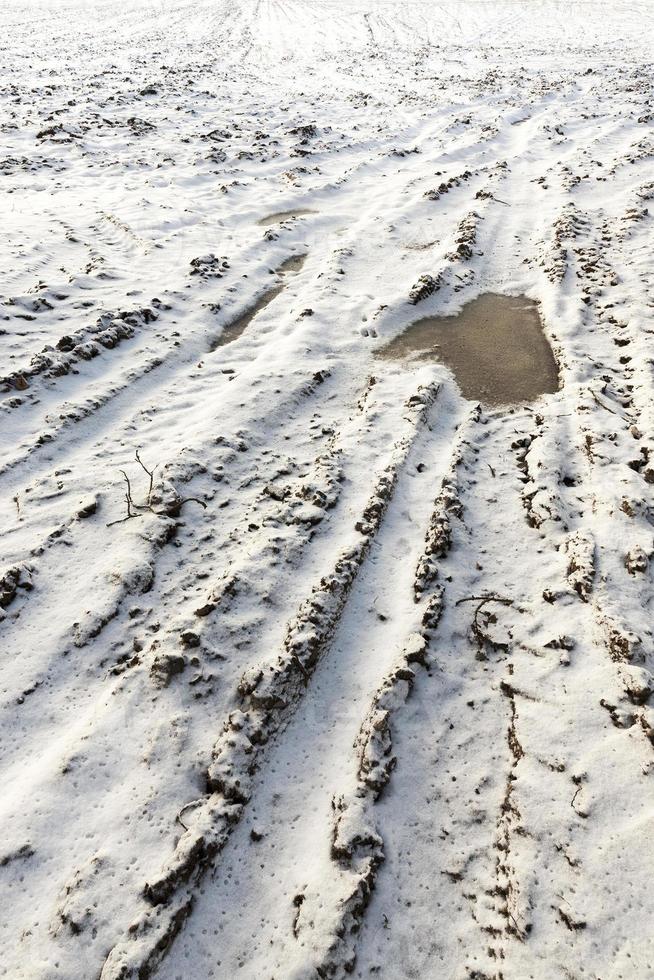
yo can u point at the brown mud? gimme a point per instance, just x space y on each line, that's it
274 219
234 329
495 347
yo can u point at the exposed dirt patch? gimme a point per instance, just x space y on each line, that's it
274 219
234 329
495 348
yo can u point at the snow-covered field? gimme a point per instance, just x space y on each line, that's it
358 679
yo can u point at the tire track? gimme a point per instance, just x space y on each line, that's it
269 694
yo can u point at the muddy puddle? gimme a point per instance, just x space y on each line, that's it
495 347
234 329
292 264
273 219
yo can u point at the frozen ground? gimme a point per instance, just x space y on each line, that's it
365 687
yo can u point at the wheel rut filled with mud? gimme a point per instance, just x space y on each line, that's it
495 347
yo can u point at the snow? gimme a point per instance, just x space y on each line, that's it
359 681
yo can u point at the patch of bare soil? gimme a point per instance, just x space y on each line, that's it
274 219
495 348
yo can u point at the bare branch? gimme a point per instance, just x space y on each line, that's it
149 472
194 500
187 806
129 501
